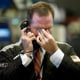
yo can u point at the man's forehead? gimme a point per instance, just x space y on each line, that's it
42 19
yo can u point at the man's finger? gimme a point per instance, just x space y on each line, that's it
33 38
23 31
38 40
45 33
40 37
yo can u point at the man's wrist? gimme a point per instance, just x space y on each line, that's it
28 53
57 58
25 59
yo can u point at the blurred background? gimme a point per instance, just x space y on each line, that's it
66 21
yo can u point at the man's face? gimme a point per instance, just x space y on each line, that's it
39 23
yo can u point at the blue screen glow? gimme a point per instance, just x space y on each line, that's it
4 33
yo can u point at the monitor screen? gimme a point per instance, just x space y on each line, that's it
5 36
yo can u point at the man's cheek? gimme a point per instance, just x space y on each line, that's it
35 32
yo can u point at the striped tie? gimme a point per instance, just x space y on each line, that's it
37 64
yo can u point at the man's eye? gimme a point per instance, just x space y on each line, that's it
48 28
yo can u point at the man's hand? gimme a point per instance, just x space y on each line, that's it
46 41
27 39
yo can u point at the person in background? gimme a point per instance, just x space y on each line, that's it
38 56
74 36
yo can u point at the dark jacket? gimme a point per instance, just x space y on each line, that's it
14 70
75 43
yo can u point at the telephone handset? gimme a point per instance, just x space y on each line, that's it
26 24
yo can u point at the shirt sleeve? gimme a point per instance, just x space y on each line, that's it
57 57
25 59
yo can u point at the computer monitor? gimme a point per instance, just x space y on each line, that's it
5 35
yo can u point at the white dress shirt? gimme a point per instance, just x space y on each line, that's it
56 58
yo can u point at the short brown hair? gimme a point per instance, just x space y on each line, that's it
42 8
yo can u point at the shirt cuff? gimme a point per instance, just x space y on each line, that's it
57 57
25 59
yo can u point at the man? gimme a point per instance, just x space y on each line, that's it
74 36
58 60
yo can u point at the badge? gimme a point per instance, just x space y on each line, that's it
75 58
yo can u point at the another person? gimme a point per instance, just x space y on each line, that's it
74 36
58 60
